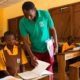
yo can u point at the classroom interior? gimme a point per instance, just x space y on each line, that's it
66 17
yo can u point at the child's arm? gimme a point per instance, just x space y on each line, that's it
24 61
22 68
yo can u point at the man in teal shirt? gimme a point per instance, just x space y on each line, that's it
38 25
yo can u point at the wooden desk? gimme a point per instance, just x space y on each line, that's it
62 58
45 77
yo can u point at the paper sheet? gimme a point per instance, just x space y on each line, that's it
28 75
10 78
46 72
36 72
76 48
40 67
50 47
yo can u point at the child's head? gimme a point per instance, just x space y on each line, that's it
9 38
70 40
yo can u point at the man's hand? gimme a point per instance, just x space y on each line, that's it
55 51
28 48
34 61
55 48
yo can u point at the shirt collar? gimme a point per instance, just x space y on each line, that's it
39 15
6 48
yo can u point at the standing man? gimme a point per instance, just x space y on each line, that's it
40 27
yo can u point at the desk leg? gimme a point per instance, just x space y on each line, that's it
61 67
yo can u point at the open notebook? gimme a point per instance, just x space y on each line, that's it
10 78
38 72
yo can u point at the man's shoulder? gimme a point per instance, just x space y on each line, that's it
21 20
44 12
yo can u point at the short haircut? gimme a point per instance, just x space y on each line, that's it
28 5
8 33
70 38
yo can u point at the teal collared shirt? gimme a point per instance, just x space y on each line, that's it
38 30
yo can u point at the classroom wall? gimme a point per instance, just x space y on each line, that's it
15 9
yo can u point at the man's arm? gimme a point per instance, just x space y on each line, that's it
54 35
24 34
52 30
31 55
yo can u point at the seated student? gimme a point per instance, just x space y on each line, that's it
14 57
3 71
68 45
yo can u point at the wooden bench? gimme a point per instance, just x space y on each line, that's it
74 71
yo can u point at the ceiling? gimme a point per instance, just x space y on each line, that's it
5 3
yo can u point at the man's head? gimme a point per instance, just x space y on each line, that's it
29 10
9 38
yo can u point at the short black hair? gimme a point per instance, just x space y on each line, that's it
28 5
70 38
8 33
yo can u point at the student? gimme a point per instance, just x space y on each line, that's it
39 25
14 57
3 71
68 45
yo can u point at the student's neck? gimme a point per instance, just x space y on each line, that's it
10 46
